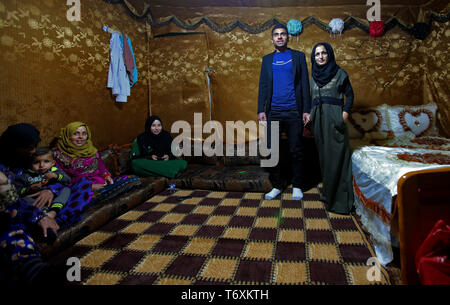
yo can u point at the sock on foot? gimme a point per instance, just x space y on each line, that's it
272 194
297 194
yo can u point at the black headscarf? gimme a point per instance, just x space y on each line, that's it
159 144
14 137
323 74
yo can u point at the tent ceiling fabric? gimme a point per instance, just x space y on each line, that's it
256 16
267 3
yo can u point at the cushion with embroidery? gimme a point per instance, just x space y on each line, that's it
413 121
369 123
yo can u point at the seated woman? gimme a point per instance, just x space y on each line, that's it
151 153
21 224
76 155
18 144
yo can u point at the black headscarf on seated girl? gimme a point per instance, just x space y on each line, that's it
17 136
151 144
322 75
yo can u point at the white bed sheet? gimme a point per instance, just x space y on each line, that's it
376 170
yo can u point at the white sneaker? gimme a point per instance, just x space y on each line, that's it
272 194
297 194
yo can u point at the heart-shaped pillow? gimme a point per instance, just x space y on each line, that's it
366 120
413 121
419 121
370 121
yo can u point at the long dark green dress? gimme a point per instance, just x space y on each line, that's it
331 137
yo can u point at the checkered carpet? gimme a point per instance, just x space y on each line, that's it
227 238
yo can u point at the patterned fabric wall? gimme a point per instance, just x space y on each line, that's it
55 71
435 53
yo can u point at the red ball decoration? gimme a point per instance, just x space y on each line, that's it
376 28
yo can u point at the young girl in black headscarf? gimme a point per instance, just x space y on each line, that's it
151 153
329 85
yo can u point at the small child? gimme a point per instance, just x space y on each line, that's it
43 174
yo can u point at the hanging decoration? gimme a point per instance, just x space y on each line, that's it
376 28
294 27
226 27
336 26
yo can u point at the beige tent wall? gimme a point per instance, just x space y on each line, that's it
55 71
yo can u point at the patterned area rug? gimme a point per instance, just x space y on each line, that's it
205 237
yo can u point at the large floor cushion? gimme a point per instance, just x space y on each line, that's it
249 178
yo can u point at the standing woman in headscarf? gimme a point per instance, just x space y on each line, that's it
151 153
332 100
77 156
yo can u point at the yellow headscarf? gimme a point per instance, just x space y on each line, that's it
66 146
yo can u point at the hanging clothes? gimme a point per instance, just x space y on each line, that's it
117 75
129 59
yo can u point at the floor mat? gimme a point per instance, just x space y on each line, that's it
205 237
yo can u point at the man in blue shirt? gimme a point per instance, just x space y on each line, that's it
284 96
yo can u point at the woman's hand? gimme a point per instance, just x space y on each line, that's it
109 180
47 222
154 157
345 116
165 157
306 117
4 185
44 198
3 178
96 187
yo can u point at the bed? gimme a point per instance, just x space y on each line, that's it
401 165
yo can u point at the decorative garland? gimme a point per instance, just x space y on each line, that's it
419 30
